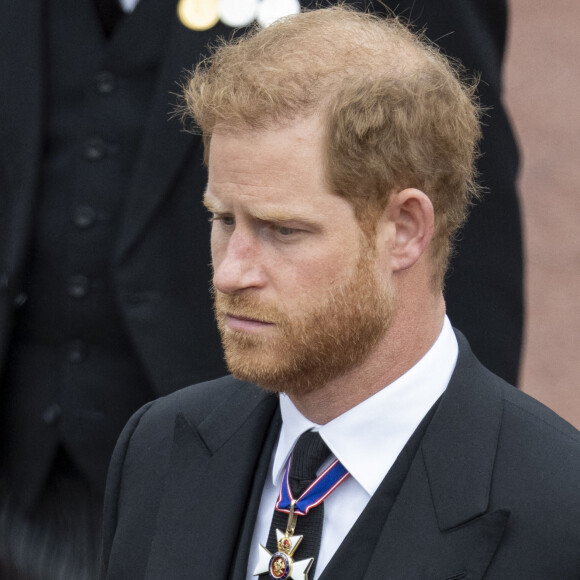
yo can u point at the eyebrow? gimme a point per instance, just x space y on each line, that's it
282 216
274 215
210 202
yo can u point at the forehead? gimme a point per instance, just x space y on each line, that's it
249 156
278 168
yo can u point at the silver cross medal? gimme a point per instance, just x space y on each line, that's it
280 565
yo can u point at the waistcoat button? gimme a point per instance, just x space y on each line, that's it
84 217
95 149
51 414
78 286
20 300
105 82
76 351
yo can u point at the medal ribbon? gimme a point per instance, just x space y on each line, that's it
315 493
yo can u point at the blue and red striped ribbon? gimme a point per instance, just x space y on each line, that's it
315 493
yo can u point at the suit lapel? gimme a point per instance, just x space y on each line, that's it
440 526
244 544
197 529
21 115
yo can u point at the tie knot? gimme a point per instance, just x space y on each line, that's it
309 453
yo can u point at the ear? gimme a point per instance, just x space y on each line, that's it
409 220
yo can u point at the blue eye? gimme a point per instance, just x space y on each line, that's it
225 220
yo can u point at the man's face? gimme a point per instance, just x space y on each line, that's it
299 296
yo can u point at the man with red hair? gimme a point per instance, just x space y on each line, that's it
358 437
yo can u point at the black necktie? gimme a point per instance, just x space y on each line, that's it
309 454
110 13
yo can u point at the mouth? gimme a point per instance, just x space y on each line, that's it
246 324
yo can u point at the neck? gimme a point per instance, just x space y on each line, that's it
414 330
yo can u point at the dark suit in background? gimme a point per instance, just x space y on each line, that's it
462 501
104 243
104 249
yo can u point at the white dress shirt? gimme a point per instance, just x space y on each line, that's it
366 439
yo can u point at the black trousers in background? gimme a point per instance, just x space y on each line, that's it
61 539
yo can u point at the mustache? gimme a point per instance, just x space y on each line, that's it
246 306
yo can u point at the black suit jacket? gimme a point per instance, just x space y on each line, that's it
160 270
492 491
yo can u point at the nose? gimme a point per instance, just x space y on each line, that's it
237 263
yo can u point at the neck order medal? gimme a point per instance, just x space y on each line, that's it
280 565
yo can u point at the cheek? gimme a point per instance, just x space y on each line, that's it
314 276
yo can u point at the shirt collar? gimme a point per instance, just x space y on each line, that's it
368 438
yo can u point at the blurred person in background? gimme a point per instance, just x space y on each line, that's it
104 243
